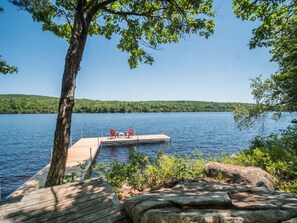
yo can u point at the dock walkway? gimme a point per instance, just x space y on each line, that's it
85 150
88 201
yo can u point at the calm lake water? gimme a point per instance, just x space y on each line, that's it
26 140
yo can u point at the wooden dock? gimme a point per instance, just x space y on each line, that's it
85 150
88 201
134 140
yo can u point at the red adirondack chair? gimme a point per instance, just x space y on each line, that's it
113 133
129 133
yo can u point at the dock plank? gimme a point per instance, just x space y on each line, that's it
54 211
103 215
86 211
52 205
85 205
49 196
65 210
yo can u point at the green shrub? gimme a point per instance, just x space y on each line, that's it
69 178
141 172
290 186
276 155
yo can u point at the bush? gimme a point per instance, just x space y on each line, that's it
276 155
141 172
290 186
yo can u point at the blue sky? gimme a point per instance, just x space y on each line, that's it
217 69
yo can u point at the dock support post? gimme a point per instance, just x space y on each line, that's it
51 154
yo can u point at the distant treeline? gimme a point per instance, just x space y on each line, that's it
31 104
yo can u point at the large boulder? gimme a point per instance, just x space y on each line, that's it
239 174
206 202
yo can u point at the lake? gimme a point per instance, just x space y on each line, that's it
26 140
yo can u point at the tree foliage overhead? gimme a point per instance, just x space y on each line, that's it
138 23
278 32
4 67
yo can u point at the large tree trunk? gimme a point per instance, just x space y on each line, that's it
62 133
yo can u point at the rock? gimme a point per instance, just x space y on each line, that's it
239 174
206 202
293 220
233 156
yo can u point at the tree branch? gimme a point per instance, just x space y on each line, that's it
96 8
70 3
146 14
80 6
79 10
175 4
89 5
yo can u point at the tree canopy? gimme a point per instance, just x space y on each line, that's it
278 32
140 24
4 67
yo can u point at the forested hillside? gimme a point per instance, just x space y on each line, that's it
13 104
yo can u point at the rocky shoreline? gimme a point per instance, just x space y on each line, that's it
229 193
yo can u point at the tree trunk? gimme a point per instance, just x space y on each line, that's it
66 104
